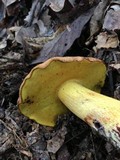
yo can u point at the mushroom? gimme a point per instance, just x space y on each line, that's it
74 83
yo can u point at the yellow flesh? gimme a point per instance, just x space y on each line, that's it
39 100
99 111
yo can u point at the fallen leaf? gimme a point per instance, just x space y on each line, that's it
46 19
61 43
8 2
116 66
2 10
3 43
96 20
73 2
70 12
56 5
32 46
2 32
117 93
63 153
54 144
13 9
8 11
108 147
106 40
112 18
36 30
34 12
6 141
12 56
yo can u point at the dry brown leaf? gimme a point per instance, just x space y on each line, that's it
105 40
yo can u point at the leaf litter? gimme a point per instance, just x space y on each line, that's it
44 29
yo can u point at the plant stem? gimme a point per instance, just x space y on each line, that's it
101 112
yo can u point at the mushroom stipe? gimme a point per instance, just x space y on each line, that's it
70 83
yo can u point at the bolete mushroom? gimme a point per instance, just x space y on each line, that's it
72 82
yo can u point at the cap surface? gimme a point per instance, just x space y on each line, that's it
38 98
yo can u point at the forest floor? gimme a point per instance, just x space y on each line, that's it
32 32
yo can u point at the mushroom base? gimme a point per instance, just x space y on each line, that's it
100 112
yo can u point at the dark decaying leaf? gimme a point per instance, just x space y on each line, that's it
54 144
13 10
117 93
116 66
9 10
59 45
63 153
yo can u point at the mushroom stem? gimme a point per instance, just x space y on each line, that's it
101 112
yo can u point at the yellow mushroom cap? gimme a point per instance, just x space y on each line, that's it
38 97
